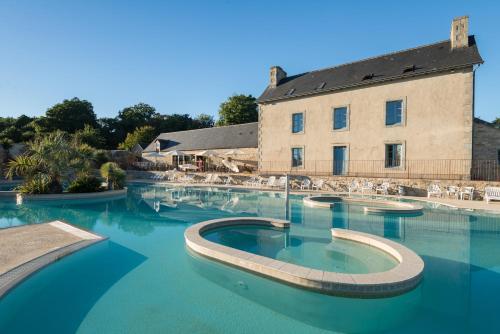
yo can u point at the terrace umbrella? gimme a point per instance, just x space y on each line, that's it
208 153
234 152
154 154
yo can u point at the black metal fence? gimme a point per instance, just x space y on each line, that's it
449 169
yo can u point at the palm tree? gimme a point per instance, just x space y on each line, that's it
48 161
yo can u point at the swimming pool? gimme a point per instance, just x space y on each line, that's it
144 280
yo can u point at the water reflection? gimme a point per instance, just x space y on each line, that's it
318 310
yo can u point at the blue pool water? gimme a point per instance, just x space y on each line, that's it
313 251
144 280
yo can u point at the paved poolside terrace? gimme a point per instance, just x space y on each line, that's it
26 249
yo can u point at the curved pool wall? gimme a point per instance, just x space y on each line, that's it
72 197
369 205
402 278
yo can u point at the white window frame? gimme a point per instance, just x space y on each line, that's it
303 123
403 111
402 166
348 117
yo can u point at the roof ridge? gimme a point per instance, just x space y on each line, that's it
379 56
210 127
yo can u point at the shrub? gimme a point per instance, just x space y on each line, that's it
114 175
40 184
85 184
101 157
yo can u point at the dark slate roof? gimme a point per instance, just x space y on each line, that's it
221 137
482 121
407 63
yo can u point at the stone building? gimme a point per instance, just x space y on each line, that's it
238 142
404 114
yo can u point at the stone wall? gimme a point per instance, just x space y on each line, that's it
486 141
412 187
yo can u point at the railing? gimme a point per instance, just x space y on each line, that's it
244 166
449 169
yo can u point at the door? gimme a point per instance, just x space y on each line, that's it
339 160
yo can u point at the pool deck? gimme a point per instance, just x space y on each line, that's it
26 249
492 207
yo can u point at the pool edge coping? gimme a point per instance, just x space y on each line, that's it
15 276
397 206
400 279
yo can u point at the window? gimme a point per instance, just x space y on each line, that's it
393 154
297 122
340 118
498 157
393 112
297 157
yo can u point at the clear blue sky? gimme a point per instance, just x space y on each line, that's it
188 56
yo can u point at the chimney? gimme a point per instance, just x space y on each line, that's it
459 36
276 74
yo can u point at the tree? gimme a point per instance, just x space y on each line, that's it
136 116
50 160
142 136
204 121
238 109
69 116
496 122
90 136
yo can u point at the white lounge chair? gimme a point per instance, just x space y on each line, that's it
318 184
467 192
258 182
208 178
305 184
229 180
434 190
491 193
187 178
383 188
453 191
367 186
250 182
216 179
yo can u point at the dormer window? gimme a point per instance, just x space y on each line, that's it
411 68
369 76
321 85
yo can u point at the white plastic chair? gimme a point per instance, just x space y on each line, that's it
318 184
305 184
353 186
282 182
467 192
434 190
367 186
383 188
271 181
453 191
